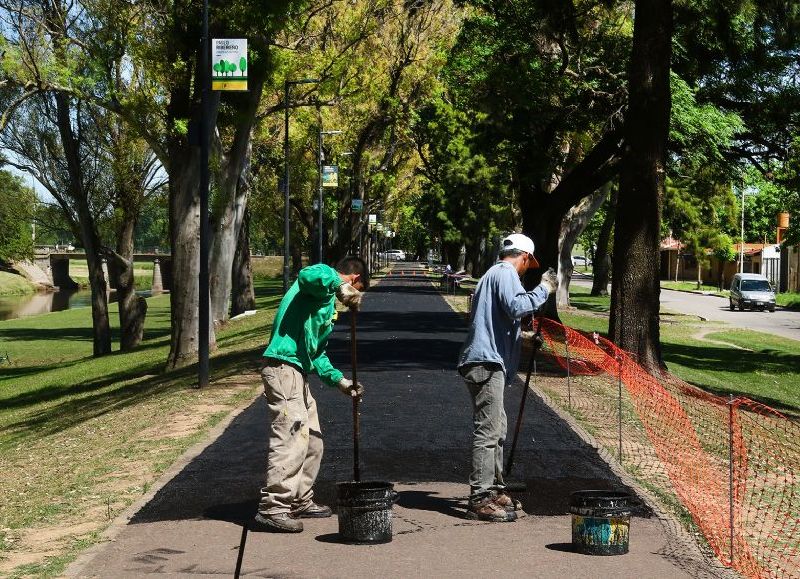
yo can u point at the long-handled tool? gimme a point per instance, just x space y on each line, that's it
240 556
356 399
537 343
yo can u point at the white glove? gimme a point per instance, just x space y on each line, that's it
349 296
346 386
550 281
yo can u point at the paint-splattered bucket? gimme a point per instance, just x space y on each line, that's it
365 512
600 522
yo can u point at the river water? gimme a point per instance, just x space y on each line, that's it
41 303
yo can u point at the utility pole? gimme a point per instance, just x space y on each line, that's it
320 158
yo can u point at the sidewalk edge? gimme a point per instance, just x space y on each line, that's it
120 522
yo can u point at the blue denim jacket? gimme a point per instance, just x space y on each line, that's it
499 304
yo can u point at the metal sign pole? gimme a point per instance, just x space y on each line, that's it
204 306
286 249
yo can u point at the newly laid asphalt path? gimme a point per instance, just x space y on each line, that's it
415 432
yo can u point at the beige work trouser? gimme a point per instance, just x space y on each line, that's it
295 440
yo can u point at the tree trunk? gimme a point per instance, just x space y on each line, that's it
634 320
101 342
132 308
601 260
101 328
472 258
572 226
242 296
451 254
543 227
184 220
232 202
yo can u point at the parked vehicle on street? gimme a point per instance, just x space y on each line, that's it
395 255
581 260
752 291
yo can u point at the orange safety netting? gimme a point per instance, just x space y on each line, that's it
719 456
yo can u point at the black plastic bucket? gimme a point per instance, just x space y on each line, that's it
600 522
365 512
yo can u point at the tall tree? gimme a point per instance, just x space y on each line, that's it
59 143
634 322
550 77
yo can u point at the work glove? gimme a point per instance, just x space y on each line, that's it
349 296
550 281
347 387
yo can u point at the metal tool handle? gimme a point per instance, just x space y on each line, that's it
356 399
537 342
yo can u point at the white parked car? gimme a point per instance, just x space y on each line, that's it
752 291
581 260
395 255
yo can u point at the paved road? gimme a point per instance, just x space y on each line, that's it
784 323
416 422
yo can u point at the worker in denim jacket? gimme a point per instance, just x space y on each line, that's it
488 363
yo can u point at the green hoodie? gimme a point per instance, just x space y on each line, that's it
305 320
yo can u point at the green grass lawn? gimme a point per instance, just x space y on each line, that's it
788 300
14 285
692 286
762 367
82 437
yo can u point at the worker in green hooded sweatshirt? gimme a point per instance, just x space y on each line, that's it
297 347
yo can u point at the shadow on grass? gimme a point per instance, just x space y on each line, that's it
583 302
715 359
71 334
88 400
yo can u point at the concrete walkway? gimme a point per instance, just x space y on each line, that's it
415 432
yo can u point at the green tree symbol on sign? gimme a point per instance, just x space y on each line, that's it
243 64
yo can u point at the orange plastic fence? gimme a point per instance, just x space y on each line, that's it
722 458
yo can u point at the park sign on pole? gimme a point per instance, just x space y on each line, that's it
229 64
330 176
357 205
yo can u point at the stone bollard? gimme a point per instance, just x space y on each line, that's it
104 265
158 283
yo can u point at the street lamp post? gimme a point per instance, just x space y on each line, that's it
350 196
286 85
322 133
745 191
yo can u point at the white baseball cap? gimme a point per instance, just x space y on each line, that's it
520 242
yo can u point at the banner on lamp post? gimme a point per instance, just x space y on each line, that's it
330 176
357 205
229 64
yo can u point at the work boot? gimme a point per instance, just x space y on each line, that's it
277 523
508 502
487 509
312 511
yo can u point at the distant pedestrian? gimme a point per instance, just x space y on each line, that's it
300 333
488 363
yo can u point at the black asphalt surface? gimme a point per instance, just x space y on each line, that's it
415 432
